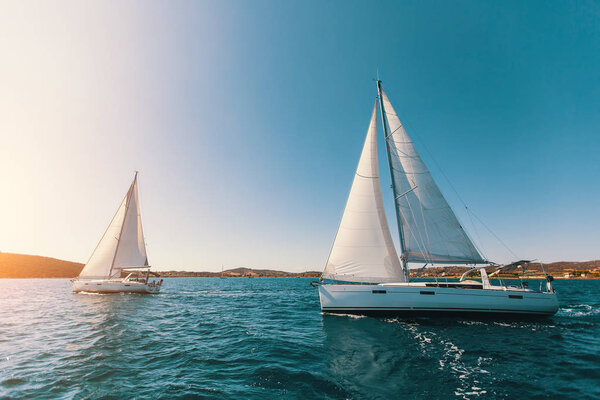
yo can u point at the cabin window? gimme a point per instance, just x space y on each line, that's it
427 292
379 291
515 296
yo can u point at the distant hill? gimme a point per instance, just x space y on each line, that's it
562 266
590 269
25 266
242 273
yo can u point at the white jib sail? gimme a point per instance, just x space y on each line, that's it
431 232
363 250
122 245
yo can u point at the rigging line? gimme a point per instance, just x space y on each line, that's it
419 240
395 130
475 251
417 272
454 189
408 143
428 247
407 192
480 248
418 244
496 236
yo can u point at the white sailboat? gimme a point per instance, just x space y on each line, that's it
121 248
363 273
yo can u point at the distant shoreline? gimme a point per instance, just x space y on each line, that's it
440 278
21 266
305 277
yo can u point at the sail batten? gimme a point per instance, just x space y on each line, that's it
363 250
429 230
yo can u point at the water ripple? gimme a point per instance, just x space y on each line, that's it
265 338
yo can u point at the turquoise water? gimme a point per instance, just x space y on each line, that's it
265 338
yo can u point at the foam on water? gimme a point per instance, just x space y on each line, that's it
266 338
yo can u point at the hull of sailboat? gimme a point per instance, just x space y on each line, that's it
107 286
420 300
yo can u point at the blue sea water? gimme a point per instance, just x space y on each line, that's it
266 338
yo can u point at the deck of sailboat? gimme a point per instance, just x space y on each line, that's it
471 285
460 285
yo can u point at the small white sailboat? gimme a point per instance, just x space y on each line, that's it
121 248
363 273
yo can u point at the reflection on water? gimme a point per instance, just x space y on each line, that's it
265 338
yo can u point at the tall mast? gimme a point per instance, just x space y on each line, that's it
387 147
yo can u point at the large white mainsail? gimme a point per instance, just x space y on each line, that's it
430 231
122 245
363 250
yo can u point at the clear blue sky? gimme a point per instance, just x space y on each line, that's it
246 119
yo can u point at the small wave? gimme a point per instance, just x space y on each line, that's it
578 310
93 293
468 374
13 382
353 316
505 324
473 322
73 347
283 379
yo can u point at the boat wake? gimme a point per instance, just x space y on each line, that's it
94 293
353 316
470 373
578 310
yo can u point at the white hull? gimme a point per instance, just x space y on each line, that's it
108 286
419 299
